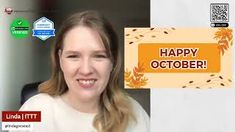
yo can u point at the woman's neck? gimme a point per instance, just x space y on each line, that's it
86 106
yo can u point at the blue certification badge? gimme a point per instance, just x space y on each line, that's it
43 28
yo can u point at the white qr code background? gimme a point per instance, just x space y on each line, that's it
219 12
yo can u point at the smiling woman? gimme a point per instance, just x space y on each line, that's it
82 93
86 67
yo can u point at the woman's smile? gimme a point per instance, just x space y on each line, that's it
87 83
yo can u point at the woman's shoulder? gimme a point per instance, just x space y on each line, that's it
142 118
135 104
37 102
41 97
138 109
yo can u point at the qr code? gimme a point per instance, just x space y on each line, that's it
219 12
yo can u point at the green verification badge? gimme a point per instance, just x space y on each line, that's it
19 28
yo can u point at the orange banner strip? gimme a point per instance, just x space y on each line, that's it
179 57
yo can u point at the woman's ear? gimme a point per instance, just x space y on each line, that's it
111 67
59 53
60 56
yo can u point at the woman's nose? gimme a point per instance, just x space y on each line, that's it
85 67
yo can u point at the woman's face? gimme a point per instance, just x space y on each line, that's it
85 64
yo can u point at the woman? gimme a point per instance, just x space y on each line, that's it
83 94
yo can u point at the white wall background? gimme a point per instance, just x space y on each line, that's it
190 110
20 59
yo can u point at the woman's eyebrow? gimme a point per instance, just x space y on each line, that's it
71 52
99 51
77 52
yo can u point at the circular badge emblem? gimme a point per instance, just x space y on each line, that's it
19 28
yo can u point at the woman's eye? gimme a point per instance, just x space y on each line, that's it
72 56
100 56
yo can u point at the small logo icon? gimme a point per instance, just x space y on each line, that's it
43 28
19 28
8 10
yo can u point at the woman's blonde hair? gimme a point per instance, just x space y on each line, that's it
115 110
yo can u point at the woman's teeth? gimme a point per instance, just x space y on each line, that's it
87 82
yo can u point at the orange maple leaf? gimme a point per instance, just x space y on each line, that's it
136 79
224 37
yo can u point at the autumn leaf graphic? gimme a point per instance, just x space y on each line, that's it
224 37
135 79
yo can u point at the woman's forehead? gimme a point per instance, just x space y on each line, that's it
82 37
